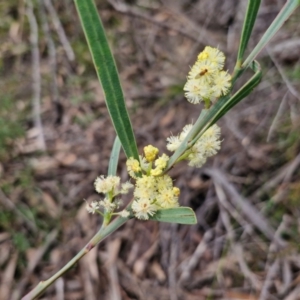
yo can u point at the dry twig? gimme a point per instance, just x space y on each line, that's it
272 272
113 249
247 209
277 117
132 11
7 277
52 52
236 247
51 237
173 262
11 206
290 87
275 266
60 30
188 266
36 76
284 176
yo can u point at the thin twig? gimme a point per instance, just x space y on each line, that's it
173 263
282 74
294 295
102 233
131 11
269 280
274 267
60 30
283 176
11 206
278 115
247 209
52 51
113 249
51 237
229 207
194 259
88 287
7 277
59 288
236 247
218 240
36 76
287 276
283 227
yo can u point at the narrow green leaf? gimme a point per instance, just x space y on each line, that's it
107 74
251 15
114 157
208 117
179 215
223 106
283 15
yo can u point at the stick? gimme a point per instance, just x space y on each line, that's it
36 76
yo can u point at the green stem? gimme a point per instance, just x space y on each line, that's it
98 237
184 155
207 103
107 217
149 168
100 213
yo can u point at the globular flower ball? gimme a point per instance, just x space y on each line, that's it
206 79
207 145
153 189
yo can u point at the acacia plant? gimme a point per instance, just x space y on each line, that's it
154 196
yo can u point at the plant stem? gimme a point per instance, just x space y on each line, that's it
283 15
98 237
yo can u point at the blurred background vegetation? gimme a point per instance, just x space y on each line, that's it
246 242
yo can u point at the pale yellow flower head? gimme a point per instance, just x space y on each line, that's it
152 190
106 185
125 187
133 167
162 161
176 191
124 213
150 153
92 207
164 182
222 84
144 163
185 131
206 80
214 56
107 205
203 71
160 164
143 208
193 91
167 199
156 172
196 159
207 145
145 188
173 143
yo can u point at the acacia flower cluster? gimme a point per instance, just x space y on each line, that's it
111 187
153 190
206 79
207 145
